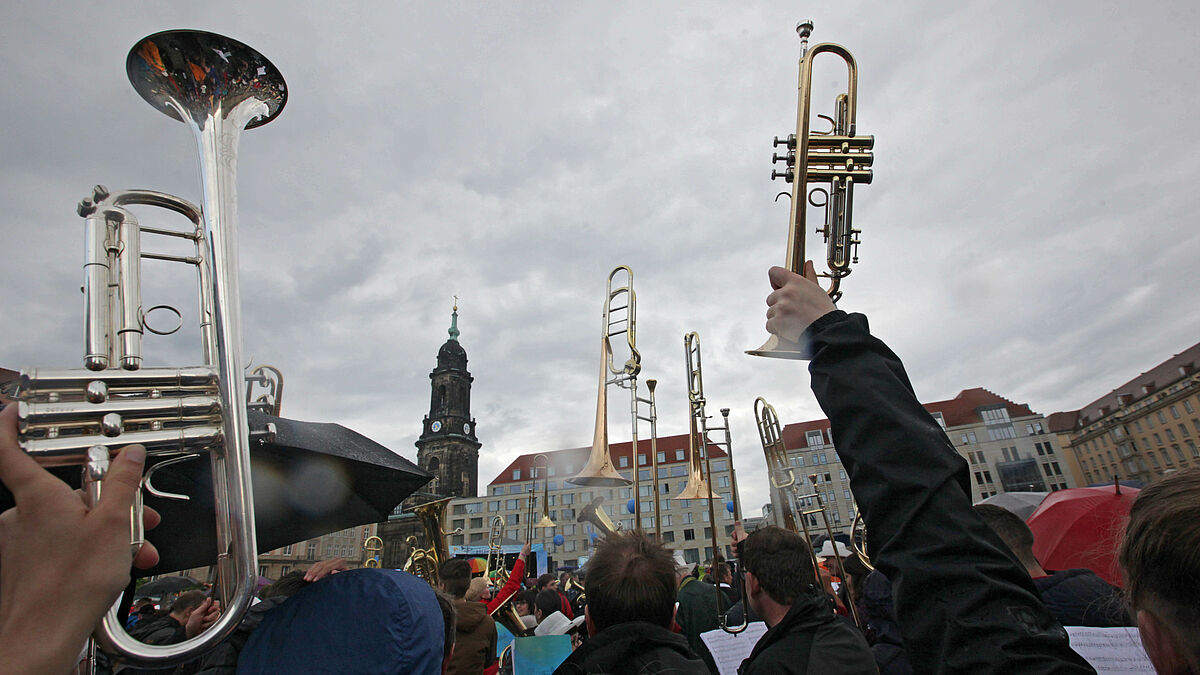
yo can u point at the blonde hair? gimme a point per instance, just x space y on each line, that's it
475 590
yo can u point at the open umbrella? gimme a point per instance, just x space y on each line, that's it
165 586
1081 527
311 479
1021 503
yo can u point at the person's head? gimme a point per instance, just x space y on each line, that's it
1013 531
630 578
450 626
523 602
778 567
184 604
478 590
719 573
287 586
1160 561
455 577
545 603
547 581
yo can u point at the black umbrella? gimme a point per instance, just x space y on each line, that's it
165 586
311 479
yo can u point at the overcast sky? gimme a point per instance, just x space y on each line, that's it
1031 227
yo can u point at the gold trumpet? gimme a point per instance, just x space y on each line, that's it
618 319
839 157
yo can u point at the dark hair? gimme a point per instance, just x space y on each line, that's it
449 621
1013 531
718 570
779 560
548 601
455 576
287 586
543 580
187 602
527 597
1160 555
630 578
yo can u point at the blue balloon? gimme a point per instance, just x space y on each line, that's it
629 506
729 506
558 540
595 535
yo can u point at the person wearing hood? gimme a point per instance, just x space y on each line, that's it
802 636
475 639
630 587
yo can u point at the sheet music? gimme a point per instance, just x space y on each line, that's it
1111 651
730 650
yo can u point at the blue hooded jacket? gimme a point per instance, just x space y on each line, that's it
359 621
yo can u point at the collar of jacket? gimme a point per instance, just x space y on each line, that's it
808 611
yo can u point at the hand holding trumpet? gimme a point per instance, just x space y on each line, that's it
62 563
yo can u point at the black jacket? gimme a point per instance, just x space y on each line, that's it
698 612
962 603
1080 598
810 639
634 648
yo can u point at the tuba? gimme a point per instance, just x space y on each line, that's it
371 548
217 86
425 562
839 157
618 319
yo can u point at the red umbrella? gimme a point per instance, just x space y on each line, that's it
1081 527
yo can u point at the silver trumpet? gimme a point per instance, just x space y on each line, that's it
217 86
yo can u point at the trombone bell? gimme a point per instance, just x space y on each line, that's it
599 470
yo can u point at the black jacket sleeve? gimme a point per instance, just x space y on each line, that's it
962 603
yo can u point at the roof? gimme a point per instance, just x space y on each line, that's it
1148 383
576 457
958 411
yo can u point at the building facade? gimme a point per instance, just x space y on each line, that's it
1007 446
1143 430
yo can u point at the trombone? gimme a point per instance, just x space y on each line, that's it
618 319
545 522
839 157
699 484
783 479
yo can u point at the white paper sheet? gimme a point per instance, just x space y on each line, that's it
730 650
1111 651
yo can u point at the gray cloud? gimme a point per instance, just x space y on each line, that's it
1030 228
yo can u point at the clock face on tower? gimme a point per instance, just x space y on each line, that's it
466 427
436 426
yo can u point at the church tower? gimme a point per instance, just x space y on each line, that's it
448 447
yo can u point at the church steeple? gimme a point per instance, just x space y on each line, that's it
454 321
448 447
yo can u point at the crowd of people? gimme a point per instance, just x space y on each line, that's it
954 588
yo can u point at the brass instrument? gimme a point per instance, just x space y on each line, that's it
700 486
783 478
599 469
217 86
574 585
594 514
839 157
858 541
655 481
425 562
371 547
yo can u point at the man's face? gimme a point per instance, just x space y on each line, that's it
753 593
553 585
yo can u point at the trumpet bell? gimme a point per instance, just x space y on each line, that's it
780 348
196 72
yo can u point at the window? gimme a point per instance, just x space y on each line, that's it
668 537
679 455
641 459
662 456
477 522
457 523
262 570
1183 431
567 498
512 518
689 535
688 518
723 481
997 415
512 504
311 553
799 460
1161 417
516 474
498 490
1174 412
1187 405
494 506
568 514
285 569
1170 434
666 520
937 416
842 474
647 522
287 550
823 460
477 507
622 462
815 438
